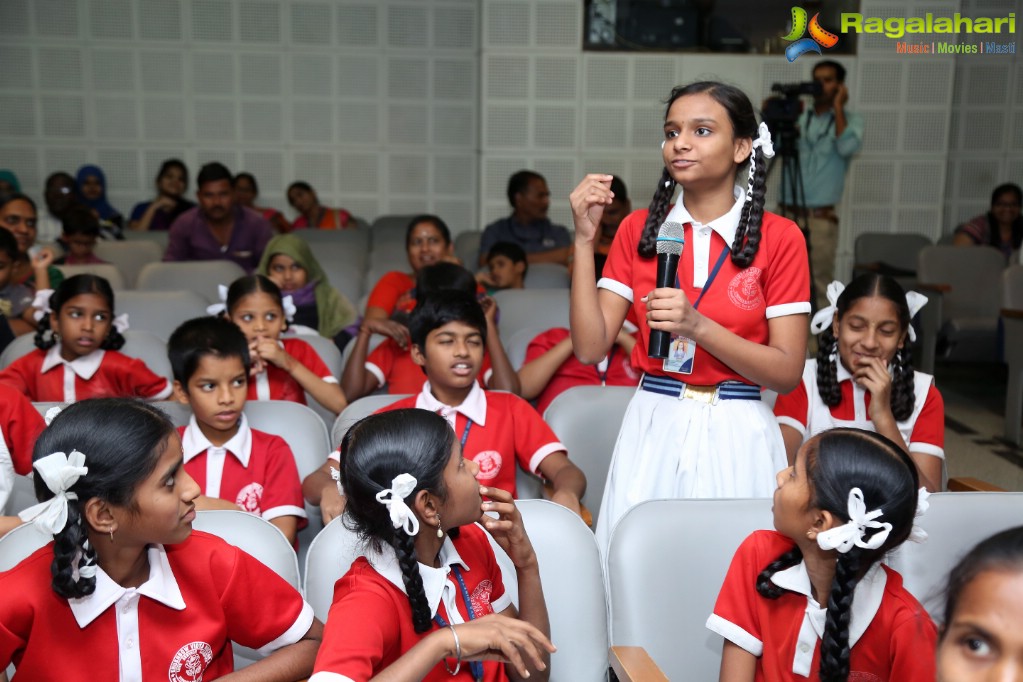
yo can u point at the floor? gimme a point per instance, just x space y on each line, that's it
974 397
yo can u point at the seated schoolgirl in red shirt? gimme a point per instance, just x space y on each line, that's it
77 346
426 601
126 578
282 369
863 376
811 599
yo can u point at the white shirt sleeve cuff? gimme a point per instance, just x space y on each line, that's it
617 287
735 634
503 602
798 308
378 373
293 634
541 454
792 423
163 394
329 677
283 510
927 449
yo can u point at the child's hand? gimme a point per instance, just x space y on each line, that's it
568 499
258 365
165 203
499 638
489 306
42 260
507 528
390 328
588 200
669 310
332 502
483 278
269 350
872 374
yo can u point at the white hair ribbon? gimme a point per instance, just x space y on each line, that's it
121 323
59 472
918 534
393 498
851 534
42 303
52 413
826 315
336 475
764 141
219 308
914 301
288 304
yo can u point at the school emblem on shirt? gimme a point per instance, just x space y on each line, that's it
190 662
489 462
480 598
249 497
744 289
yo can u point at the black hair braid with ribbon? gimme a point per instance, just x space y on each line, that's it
72 552
903 384
405 549
748 232
764 586
658 211
834 660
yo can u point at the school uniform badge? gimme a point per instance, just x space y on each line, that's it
744 290
480 598
489 462
190 662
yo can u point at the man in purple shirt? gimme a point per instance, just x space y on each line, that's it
218 229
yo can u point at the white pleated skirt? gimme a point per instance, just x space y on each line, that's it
683 448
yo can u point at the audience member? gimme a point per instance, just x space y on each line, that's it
77 344
61 193
234 465
218 228
9 183
551 368
15 299
161 212
34 267
92 188
81 230
528 226
246 191
507 267
427 241
290 264
863 376
1001 227
303 199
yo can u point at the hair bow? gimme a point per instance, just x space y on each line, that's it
851 534
121 323
288 304
52 413
764 141
826 315
219 308
59 472
918 534
336 475
42 304
393 498
914 301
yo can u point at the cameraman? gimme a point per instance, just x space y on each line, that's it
829 136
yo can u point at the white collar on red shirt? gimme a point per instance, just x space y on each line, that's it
84 366
194 443
474 407
161 586
866 602
841 373
435 580
725 225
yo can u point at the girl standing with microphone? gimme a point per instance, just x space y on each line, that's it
697 427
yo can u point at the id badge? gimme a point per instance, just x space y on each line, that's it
681 355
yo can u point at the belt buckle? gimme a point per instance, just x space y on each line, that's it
705 394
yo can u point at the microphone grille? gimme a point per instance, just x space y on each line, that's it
670 239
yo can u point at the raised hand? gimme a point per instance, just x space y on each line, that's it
507 528
588 200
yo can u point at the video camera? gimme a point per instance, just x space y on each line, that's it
782 110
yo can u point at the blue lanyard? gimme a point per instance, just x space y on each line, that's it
465 433
710 278
476 667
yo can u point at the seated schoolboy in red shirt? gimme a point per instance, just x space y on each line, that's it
506 268
236 467
497 430
390 363
551 367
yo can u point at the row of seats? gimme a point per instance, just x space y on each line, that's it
665 565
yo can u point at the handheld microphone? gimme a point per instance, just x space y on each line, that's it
670 240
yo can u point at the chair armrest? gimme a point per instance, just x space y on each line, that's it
1011 313
633 664
966 484
939 288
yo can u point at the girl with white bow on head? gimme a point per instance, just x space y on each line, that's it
740 301
426 601
863 376
811 600
77 349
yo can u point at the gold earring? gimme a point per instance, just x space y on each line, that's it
111 535
440 532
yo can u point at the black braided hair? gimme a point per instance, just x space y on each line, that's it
788 559
744 124
122 440
46 338
373 452
836 462
865 286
